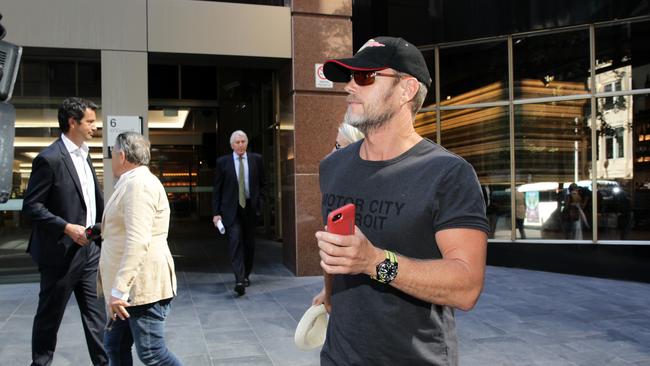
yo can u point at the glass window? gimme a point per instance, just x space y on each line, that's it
612 123
621 56
553 153
429 58
609 147
623 195
33 77
551 65
163 81
618 141
45 81
481 136
474 73
425 124
187 139
62 78
198 82
90 79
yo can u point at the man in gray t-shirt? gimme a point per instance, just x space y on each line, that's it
420 243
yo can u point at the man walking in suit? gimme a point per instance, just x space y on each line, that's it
63 197
236 201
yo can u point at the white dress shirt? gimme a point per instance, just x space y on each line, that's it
79 155
245 161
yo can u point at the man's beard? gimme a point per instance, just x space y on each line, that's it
370 120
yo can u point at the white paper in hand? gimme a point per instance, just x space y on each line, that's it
221 228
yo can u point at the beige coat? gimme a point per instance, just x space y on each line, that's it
135 257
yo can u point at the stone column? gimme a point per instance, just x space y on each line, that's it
124 93
309 116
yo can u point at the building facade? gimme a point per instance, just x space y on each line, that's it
194 71
537 96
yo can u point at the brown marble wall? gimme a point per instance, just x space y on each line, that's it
325 7
317 118
321 30
315 40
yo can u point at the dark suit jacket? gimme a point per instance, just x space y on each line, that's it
54 199
225 196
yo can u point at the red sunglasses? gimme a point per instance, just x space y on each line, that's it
364 78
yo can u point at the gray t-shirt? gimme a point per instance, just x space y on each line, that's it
400 204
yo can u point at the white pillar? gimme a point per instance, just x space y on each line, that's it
124 93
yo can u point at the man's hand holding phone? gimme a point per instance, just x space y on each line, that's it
343 248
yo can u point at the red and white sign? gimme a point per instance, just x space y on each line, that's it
319 76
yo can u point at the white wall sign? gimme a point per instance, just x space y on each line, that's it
321 80
115 125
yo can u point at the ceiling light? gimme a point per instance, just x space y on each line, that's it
47 118
20 141
42 118
166 119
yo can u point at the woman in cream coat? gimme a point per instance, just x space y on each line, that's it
136 269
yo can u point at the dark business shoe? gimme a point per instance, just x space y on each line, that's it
240 289
247 282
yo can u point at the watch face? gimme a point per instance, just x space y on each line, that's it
386 271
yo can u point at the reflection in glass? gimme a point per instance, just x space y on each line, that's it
480 136
623 169
62 78
425 125
621 58
429 58
552 152
44 79
89 79
32 79
474 73
551 65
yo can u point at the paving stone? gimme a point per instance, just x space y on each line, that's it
523 318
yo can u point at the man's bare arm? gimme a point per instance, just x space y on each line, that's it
455 280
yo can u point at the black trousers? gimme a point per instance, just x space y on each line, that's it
241 242
57 285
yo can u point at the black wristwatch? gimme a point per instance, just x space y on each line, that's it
387 269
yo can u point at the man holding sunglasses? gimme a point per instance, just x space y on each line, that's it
420 240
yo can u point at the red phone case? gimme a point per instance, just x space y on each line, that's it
341 220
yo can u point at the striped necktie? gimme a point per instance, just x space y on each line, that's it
242 189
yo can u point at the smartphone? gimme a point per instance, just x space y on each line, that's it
341 220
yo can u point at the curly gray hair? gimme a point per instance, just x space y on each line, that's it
136 147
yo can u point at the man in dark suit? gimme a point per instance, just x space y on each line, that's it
63 197
236 202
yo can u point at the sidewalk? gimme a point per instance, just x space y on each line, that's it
523 317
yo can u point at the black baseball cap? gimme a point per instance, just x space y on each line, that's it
377 54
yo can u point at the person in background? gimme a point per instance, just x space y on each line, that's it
136 268
63 198
420 241
520 213
346 135
574 214
237 201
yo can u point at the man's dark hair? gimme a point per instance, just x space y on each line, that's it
73 107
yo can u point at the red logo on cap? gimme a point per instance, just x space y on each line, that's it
371 43
374 44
